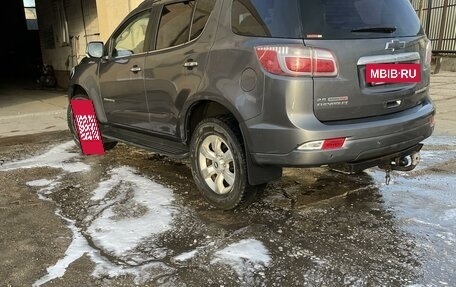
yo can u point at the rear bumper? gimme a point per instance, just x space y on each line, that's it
365 140
384 161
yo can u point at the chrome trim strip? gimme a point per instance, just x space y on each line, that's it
382 59
421 90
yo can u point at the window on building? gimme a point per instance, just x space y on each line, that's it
30 14
61 28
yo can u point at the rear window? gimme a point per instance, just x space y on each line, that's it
325 19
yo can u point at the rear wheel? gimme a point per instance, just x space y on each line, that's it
107 145
218 162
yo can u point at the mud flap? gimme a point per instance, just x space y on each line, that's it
261 174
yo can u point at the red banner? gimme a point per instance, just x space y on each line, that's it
87 125
393 73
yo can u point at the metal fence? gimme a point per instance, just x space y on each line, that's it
438 18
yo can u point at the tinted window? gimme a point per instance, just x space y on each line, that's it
337 19
202 12
174 26
130 40
325 19
266 18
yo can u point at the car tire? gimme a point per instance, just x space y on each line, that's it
107 145
218 162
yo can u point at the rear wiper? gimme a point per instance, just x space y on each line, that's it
375 29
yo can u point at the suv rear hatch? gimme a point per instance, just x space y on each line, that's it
350 34
361 32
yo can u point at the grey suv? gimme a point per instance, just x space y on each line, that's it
246 87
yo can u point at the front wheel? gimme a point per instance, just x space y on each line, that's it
218 162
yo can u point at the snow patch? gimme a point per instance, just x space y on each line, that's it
440 141
185 256
120 234
117 235
56 157
39 183
111 232
80 247
245 257
47 187
431 158
449 215
105 187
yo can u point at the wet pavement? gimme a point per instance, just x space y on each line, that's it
134 218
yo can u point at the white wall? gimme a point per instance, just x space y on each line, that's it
111 13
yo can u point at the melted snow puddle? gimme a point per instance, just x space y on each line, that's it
148 213
426 199
246 257
114 234
103 267
129 210
423 198
425 206
119 235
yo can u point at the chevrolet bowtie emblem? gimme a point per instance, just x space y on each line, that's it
395 45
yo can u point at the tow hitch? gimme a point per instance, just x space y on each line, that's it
405 160
401 163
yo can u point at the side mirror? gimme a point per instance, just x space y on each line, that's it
95 49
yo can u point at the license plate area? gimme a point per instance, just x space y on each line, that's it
393 73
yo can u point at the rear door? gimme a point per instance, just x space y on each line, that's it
175 68
361 32
122 74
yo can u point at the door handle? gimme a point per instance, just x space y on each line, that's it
190 64
135 69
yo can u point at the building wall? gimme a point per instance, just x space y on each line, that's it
111 13
86 20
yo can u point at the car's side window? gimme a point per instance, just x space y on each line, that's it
247 21
201 16
174 28
130 40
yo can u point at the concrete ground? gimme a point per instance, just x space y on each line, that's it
25 109
134 218
28 110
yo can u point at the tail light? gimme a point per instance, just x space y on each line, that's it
297 61
327 144
333 143
428 54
